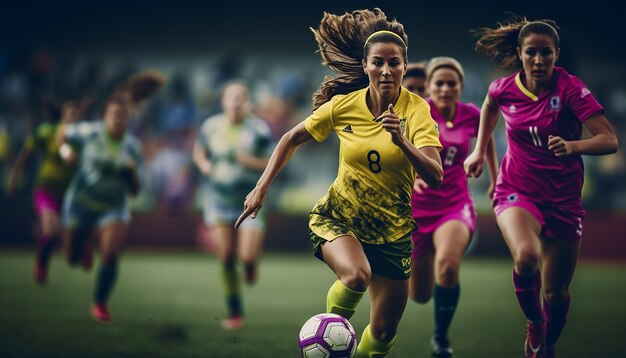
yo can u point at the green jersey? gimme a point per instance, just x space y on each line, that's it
101 182
221 140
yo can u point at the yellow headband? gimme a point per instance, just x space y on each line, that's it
384 32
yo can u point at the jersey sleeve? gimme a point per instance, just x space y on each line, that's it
320 123
265 140
494 91
422 130
136 152
76 134
474 115
203 136
580 101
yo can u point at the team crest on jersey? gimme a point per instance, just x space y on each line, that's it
512 198
403 126
555 103
512 109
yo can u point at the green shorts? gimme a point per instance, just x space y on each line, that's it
391 260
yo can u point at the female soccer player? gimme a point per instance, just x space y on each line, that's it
362 228
537 200
232 150
445 217
415 79
53 177
96 199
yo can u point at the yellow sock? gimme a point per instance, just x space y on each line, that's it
370 347
230 283
230 280
342 300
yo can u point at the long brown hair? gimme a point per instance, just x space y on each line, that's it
500 44
342 44
137 88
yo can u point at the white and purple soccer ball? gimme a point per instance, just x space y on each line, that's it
327 335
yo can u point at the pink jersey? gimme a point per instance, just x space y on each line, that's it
529 167
454 191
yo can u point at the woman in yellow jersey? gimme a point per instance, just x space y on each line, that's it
362 228
53 177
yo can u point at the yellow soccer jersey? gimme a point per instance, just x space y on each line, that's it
372 193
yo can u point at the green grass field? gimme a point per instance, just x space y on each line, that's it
170 304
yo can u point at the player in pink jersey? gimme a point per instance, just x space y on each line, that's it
415 78
538 193
445 216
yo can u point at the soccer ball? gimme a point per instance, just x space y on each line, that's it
327 335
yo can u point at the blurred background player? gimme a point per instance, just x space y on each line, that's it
52 178
445 216
415 78
538 201
362 228
96 200
231 152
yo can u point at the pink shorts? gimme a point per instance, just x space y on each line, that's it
556 222
46 200
426 226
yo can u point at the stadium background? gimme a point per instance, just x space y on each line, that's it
49 50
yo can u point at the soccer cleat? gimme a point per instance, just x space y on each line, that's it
232 323
101 313
440 347
551 352
40 273
535 340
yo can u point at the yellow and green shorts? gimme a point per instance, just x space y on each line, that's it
391 260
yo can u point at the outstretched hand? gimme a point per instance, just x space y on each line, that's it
252 205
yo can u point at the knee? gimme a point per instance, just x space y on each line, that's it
357 279
421 297
555 295
447 272
526 262
383 333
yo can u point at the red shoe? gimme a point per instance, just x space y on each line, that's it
535 342
232 323
86 259
101 313
551 352
40 273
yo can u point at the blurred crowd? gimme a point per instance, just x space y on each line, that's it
33 84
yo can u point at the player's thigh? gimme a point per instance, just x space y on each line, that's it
112 236
388 301
250 243
345 256
559 259
450 240
223 236
50 222
521 231
422 277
